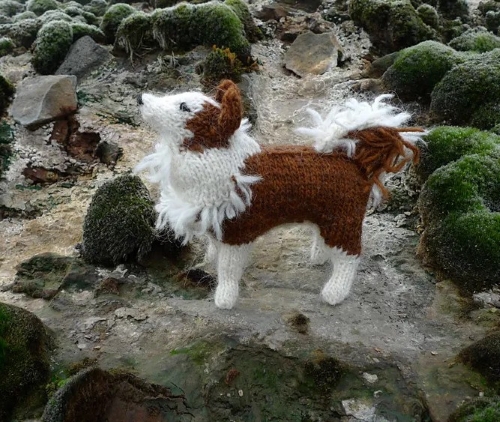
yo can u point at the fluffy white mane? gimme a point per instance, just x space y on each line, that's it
198 191
330 133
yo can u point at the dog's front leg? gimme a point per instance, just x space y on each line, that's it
344 270
231 261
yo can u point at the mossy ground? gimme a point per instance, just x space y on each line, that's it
478 410
119 225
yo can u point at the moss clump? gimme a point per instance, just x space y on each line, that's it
429 15
484 357
10 7
480 41
253 33
418 69
460 208
24 32
185 26
135 33
391 24
6 93
6 138
221 64
468 90
82 29
449 143
452 9
24 15
113 18
478 410
119 223
55 15
6 46
39 7
24 359
97 7
52 44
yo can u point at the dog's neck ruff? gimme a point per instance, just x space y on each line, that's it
200 190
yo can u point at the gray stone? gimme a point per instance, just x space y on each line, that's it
313 54
83 56
43 99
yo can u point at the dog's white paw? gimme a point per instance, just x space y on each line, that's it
333 296
225 298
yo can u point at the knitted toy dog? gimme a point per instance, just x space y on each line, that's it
216 180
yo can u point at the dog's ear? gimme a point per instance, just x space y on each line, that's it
221 89
231 110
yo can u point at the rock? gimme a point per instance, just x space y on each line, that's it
359 409
484 356
119 225
97 395
271 12
24 361
108 153
44 98
313 54
392 25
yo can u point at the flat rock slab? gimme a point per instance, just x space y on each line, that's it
84 56
313 54
44 98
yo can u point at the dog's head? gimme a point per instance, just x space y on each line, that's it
192 120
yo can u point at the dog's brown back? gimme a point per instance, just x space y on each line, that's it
299 184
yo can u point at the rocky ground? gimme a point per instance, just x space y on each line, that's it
396 336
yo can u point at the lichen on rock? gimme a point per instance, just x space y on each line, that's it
52 44
119 225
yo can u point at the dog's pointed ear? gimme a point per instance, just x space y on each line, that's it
231 110
221 89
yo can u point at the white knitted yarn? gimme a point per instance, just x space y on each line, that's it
320 251
344 270
231 262
198 190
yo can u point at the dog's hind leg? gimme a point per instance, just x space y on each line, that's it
344 270
231 262
319 251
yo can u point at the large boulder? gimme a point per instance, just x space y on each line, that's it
484 356
44 98
24 361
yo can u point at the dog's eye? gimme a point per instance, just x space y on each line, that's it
184 107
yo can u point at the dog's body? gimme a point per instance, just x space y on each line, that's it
217 181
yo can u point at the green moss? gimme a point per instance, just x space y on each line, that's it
39 7
55 15
6 93
135 33
449 143
24 32
467 86
492 19
6 138
221 64
484 357
52 44
97 7
477 410
460 207
112 19
82 29
391 24
24 15
253 33
452 9
418 69
119 223
429 15
24 360
480 41
185 26
199 352
6 46
10 7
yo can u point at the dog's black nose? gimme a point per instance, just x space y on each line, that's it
139 99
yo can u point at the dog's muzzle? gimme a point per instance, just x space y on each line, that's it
139 100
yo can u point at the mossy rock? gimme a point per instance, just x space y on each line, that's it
24 32
10 8
24 15
492 20
6 138
6 46
52 45
252 31
97 7
113 18
416 70
55 15
82 29
460 208
484 357
119 223
24 360
429 15
6 93
221 64
450 143
468 91
39 7
485 409
480 41
185 26
452 9
391 24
